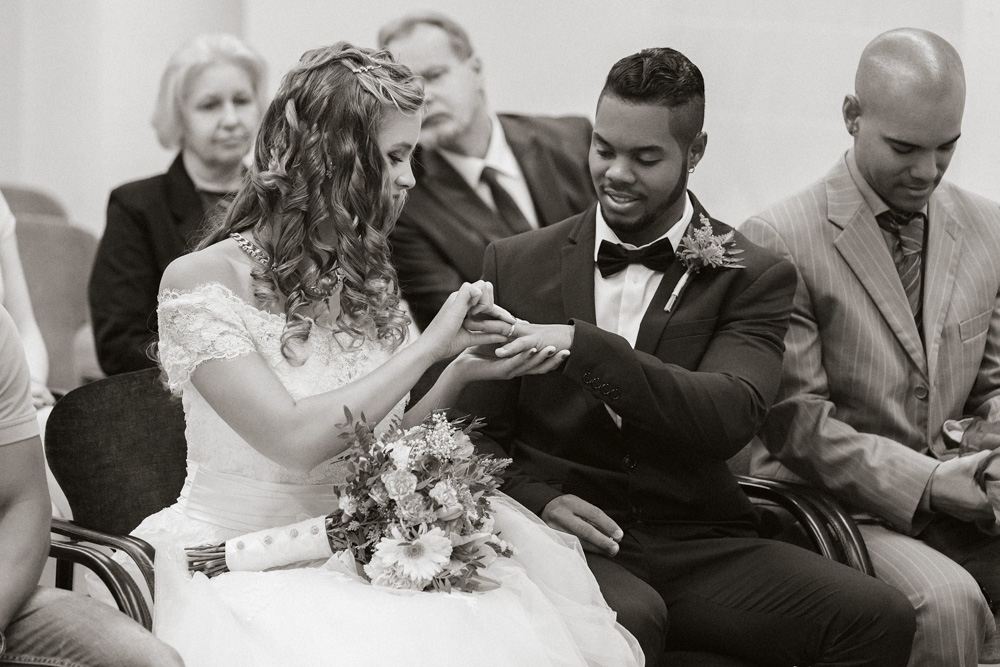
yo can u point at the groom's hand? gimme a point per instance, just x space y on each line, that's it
574 515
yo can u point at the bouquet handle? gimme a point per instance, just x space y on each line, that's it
264 549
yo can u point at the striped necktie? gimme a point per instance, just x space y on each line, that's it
506 208
908 229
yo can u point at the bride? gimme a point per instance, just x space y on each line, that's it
288 313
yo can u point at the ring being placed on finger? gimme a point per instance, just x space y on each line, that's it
512 327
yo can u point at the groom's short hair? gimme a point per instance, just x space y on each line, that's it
665 77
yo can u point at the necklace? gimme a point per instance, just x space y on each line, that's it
250 249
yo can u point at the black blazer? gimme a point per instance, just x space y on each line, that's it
694 391
150 223
440 238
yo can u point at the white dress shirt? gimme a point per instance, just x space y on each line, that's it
620 300
500 157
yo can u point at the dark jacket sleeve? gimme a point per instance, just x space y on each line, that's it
720 405
123 288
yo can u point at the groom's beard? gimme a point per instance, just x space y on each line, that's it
649 218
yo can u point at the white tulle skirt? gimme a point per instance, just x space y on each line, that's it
547 611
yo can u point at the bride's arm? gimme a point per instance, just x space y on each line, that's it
299 434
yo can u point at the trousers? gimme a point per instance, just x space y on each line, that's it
944 571
63 629
755 601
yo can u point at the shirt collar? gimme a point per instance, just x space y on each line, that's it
872 198
604 233
498 155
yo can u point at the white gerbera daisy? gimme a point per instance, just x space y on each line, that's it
420 558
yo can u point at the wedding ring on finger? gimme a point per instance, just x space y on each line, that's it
512 327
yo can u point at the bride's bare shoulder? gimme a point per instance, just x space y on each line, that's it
223 262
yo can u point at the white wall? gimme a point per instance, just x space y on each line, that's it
79 82
85 76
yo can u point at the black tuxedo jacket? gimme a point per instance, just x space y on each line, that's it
150 223
694 391
439 240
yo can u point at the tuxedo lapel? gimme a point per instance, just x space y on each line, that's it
539 172
654 321
863 248
940 266
440 181
577 270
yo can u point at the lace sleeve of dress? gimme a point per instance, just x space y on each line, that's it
196 326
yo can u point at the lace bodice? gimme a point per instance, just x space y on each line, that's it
211 322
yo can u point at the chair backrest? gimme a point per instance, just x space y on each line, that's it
24 200
117 448
57 259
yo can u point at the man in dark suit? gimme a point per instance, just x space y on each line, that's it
480 176
670 372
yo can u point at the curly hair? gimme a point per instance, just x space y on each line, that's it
318 174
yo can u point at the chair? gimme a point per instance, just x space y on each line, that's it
57 259
24 200
117 448
817 520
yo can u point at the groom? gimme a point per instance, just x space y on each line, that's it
625 446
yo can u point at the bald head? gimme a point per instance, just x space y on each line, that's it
910 63
906 114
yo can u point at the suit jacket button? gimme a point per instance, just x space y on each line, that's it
920 392
614 394
587 377
628 462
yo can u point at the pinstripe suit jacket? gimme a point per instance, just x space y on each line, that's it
862 400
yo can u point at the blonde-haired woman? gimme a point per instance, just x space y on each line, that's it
210 100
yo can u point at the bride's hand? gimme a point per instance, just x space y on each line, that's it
526 336
486 316
482 363
468 317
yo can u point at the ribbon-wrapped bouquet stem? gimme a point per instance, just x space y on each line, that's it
414 514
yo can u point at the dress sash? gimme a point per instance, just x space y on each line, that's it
249 505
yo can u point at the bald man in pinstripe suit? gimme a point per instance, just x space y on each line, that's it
873 368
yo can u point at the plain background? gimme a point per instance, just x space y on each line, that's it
78 78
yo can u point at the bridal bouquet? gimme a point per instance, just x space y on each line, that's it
413 514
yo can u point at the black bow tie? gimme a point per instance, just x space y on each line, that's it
612 257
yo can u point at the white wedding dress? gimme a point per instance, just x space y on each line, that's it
547 611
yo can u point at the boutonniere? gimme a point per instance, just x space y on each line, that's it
700 249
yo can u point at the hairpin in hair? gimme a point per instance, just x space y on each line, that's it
365 68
